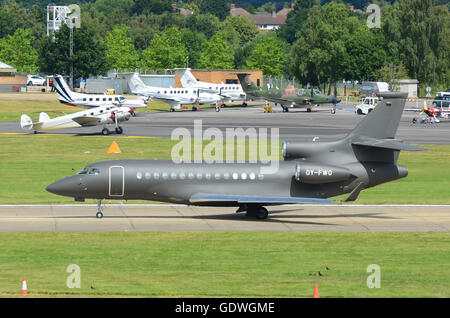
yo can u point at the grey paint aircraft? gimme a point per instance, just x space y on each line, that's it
310 172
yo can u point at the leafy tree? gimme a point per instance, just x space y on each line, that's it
245 29
165 51
120 51
207 24
192 6
194 43
267 7
365 54
391 73
295 19
219 8
216 53
268 55
18 51
417 33
89 55
319 50
151 6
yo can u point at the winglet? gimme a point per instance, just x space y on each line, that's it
355 193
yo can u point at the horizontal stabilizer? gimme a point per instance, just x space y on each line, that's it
393 144
243 199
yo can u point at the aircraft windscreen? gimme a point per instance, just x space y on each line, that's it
83 171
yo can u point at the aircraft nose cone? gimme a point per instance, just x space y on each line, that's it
65 187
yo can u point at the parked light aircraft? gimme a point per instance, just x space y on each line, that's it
310 172
228 92
102 115
287 98
68 97
175 97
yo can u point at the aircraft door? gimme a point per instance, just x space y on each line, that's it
116 181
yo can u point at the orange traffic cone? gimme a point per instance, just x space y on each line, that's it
114 148
316 290
24 287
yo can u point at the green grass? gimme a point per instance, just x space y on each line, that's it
226 264
28 163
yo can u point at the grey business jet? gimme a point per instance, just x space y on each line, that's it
310 172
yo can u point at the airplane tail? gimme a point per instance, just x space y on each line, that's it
382 122
246 82
65 95
26 122
135 84
186 77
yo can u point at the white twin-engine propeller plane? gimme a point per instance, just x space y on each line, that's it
103 115
175 97
68 97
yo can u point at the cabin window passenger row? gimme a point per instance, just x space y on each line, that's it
183 175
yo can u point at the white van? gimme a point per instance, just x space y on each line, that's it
373 88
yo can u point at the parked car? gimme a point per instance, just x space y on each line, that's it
441 100
367 105
35 80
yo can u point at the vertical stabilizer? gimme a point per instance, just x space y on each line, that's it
186 78
65 95
136 84
383 121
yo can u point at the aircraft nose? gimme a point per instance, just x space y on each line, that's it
66 187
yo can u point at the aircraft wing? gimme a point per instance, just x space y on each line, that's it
87 120
283 101
244 199
199 198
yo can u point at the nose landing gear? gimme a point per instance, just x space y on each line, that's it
99 214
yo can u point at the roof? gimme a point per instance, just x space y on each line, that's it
5 68
263 17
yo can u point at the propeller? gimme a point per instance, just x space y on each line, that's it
113 117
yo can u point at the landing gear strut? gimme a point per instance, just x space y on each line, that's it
99 214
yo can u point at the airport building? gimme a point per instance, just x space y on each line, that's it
9 80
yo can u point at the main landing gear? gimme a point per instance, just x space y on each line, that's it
106 131
256 211
99 214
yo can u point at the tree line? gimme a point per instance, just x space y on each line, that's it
321 44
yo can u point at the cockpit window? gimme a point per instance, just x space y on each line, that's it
94 171
83 171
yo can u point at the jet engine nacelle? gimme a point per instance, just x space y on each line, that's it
319 173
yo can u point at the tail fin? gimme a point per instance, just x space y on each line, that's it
186 77
136 84
43 117
383 121
65 95
26 122
246 82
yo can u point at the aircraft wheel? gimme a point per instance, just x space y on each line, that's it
105 132
217 109
308 110
172 110
262 213
359 111
99 215
333 111
223 105
119 130
194 108
244 104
